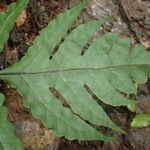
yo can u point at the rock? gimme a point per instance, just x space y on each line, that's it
11 57
138 13
102 8
35 137
139 138
130 17
112 146
144 99
15 36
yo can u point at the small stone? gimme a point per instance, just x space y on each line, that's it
139 138
11 56
36 137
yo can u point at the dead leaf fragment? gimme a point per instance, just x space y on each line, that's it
146 44
21 18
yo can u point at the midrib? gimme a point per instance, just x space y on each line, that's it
2 73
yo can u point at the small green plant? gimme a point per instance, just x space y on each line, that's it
108 67
141 120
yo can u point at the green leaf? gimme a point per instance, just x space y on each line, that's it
132 107
2 98
108 67
8 141
7 20
141 120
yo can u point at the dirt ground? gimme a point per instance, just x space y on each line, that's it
131 18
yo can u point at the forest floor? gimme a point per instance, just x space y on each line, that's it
131 19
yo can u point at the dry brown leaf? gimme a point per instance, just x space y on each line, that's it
21 18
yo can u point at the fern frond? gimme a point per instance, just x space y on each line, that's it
108 67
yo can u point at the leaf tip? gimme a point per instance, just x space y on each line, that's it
2 98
